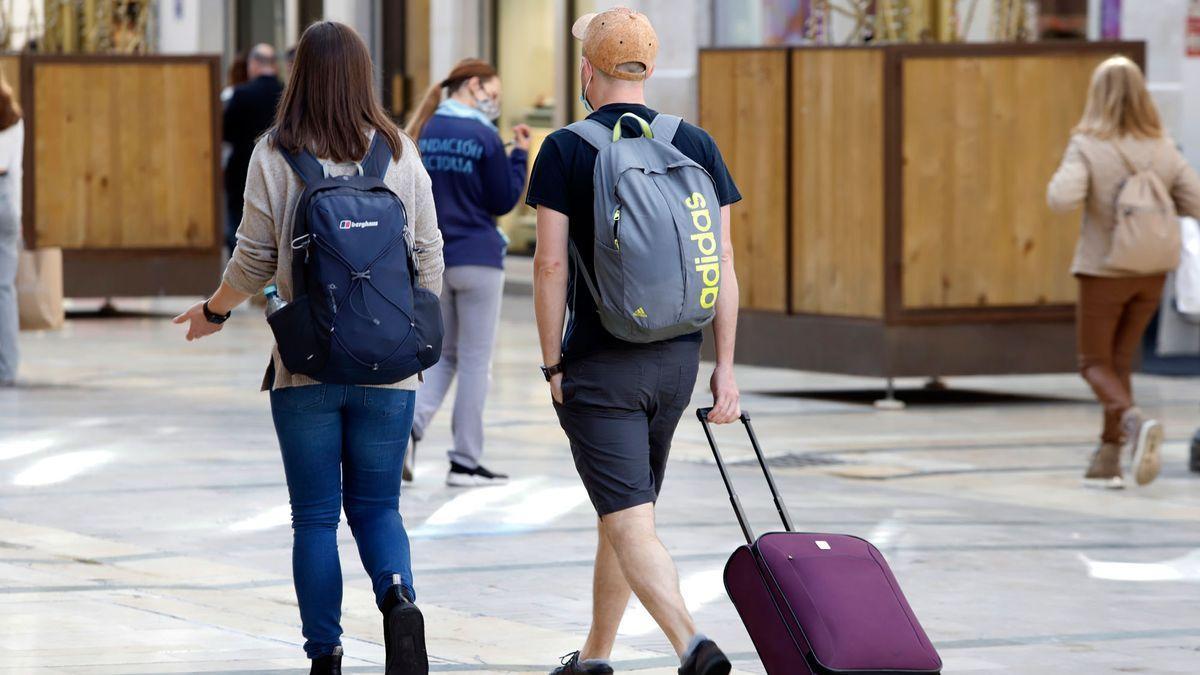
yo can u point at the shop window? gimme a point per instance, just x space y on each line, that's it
260 21
528 43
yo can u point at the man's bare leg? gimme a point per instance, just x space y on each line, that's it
649 571
610 597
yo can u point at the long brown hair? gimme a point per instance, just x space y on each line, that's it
1119 104
10 110
462 72
330 102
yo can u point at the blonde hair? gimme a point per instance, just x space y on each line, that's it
1119 104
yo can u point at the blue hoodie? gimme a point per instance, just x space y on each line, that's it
473 182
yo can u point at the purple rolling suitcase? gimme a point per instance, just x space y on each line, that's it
819 603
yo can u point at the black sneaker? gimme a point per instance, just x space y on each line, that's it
706 659
327 665
403 635
461 476
572 666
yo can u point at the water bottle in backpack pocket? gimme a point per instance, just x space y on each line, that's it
657 244
357 315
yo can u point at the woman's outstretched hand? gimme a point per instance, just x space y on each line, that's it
198 325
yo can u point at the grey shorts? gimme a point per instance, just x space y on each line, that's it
620 409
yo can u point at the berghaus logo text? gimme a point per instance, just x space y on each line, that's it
352 225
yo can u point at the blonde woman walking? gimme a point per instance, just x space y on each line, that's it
1119 135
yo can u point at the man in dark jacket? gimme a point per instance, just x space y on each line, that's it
249 113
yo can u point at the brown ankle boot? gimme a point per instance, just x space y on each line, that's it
1105 469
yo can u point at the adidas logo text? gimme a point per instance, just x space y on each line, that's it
708 263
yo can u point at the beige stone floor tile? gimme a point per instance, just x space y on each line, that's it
172 554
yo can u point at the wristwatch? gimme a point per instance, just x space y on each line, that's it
213 317
550 371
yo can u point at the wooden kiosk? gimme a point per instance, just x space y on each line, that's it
895 220
122 169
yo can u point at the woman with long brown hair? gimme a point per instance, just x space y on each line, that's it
1120 135
474 180
342 444
12 144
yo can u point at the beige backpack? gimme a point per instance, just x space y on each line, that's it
1146 239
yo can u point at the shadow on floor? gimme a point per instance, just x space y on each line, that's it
926 396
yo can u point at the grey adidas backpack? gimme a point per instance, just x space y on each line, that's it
657 243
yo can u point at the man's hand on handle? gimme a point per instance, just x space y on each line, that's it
726 398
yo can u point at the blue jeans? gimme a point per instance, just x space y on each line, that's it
343 446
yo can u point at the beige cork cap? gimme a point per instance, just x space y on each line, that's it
616 36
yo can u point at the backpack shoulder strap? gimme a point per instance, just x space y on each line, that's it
664 127
379 157
596 134
1125 158
304 164
581 270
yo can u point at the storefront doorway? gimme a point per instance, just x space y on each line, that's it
538 61
260 21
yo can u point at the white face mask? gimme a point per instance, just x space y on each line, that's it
583 96
487 105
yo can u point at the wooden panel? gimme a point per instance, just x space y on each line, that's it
981 137
123 152
837 182
743 104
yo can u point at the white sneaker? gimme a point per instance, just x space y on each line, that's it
461 476
1147 458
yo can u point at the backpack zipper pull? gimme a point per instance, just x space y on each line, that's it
616 224
332 299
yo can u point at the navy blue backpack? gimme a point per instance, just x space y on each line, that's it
357 315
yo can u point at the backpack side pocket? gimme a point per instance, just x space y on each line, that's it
427 315
301 348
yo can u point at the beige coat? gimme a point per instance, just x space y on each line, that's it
1091 175
264 237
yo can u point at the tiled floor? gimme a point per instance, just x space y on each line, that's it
144 524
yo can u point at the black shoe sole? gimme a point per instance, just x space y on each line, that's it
716 666
406 641
719 668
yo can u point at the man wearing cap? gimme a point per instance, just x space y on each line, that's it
625 400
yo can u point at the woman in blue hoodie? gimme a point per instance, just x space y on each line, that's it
474 180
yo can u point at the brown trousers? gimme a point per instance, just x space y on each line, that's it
1110 319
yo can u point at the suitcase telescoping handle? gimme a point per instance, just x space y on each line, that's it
702 414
